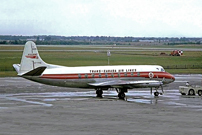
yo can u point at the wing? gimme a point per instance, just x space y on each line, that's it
128 84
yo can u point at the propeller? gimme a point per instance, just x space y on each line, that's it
151 90
162 84
162 88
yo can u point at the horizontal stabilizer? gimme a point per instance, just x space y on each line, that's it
17 67
36 72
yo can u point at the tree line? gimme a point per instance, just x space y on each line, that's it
91 40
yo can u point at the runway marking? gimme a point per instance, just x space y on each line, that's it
170 98
24 100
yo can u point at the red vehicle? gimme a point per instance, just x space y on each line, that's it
176 53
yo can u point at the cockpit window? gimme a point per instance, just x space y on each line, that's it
162 70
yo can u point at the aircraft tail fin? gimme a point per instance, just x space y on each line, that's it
30 59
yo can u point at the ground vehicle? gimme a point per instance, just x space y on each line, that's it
176 53
190 90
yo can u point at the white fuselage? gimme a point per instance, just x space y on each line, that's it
82 76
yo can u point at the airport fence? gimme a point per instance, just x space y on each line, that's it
10 68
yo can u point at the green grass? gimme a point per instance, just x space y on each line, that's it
184 71
7 73
86 58
135 58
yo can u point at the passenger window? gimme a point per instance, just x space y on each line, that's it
106 75
112 75
86 75
93 75
79 75
100 75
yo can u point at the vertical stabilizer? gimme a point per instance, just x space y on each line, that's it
30 59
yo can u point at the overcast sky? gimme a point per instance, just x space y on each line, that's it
145 18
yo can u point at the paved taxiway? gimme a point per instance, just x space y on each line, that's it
31 108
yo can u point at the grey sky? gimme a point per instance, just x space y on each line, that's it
153 18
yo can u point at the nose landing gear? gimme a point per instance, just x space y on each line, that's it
156 94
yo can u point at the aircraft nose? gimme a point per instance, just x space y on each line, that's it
172 77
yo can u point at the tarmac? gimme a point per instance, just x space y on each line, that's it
29 108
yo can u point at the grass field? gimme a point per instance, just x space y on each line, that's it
190 62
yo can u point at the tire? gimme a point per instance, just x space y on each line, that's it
199 92
99 93
191 92
156 94
121 95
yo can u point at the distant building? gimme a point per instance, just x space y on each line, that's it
147 41
31 39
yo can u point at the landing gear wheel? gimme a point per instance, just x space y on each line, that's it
121 95
99 93
156 94
191 92
199 92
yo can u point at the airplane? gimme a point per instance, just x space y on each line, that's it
121 77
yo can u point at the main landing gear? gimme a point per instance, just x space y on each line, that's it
99 92
121 93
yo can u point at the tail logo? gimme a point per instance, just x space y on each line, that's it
32 56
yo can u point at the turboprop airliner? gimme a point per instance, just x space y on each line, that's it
122 77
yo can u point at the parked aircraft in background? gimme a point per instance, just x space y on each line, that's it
100 78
